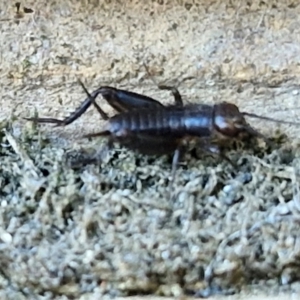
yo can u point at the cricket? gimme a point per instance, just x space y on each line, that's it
145 125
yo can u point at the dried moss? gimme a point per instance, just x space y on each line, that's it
110 228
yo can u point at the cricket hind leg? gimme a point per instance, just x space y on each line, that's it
124 101
78 112
120 100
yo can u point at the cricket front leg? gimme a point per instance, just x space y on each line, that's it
209 147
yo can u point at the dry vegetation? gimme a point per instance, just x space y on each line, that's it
109 229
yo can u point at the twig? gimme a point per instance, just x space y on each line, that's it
22 153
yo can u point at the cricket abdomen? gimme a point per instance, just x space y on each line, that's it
175 122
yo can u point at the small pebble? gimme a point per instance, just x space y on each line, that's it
89 256
3 203
225 267
227 188
282 209
6 237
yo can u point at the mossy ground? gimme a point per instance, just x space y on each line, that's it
110 228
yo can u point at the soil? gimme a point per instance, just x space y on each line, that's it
109 229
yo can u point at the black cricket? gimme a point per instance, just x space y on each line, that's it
145 125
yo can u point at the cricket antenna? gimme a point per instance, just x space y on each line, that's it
269 119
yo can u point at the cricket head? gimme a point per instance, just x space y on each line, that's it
231 123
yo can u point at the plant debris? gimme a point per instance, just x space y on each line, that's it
109 228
